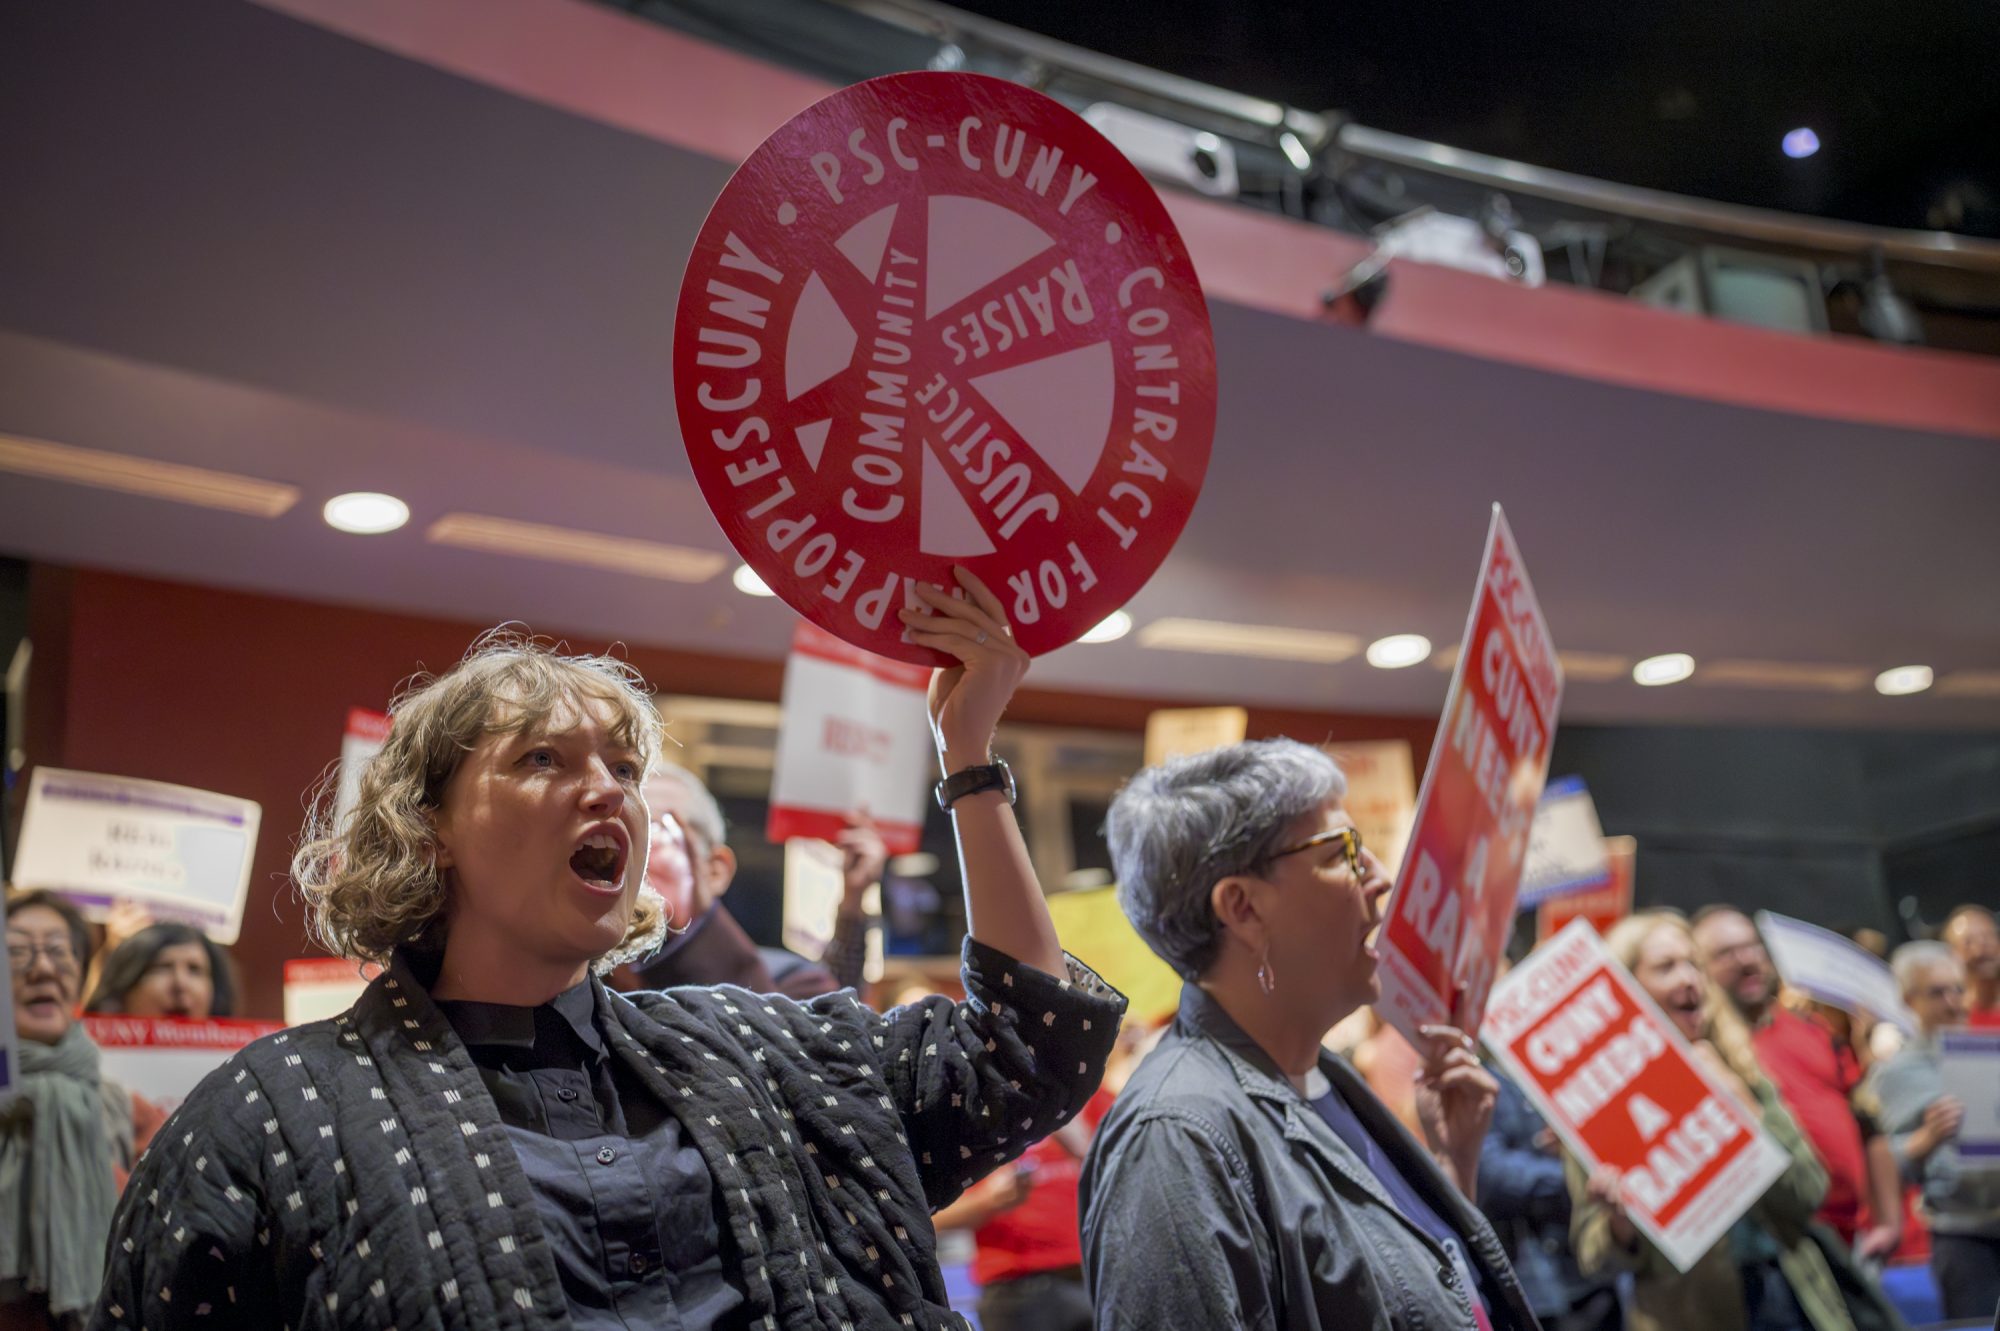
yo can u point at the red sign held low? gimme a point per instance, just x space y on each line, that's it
1617 1082
938 319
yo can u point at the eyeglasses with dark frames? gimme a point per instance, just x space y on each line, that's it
1350 839
21 955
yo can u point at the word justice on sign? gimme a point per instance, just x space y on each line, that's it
1448 920
1620 1086
938 319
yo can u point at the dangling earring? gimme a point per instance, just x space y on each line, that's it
1265 979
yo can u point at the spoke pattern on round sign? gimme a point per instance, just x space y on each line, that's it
951 364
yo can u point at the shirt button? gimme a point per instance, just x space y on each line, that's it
638 1263
605 1155
567 1095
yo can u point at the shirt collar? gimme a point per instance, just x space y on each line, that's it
1255 1069
505 1024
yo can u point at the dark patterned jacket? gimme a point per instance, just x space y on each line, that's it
355 1173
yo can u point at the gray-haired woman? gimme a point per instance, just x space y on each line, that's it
1246 1177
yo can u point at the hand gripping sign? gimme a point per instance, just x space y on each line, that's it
938 319
1617 1082
1453 907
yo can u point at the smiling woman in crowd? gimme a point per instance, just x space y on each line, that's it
1776 1269
166 970
1245 1177
68 1134
491 1138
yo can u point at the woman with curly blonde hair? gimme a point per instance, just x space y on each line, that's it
1777 1269
491 1138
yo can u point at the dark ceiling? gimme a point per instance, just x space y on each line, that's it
1692 98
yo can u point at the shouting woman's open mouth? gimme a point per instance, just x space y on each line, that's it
599 858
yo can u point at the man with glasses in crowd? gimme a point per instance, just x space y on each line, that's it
692 866
1817 1076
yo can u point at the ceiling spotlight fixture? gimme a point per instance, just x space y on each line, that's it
1669 669
1903 679
1295 150
365 513
1801 142
1109 629
749 583
1398 650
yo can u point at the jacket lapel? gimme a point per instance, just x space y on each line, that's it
461 1168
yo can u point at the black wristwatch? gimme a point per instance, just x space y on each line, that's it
971 780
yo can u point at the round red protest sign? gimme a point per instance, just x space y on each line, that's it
938 319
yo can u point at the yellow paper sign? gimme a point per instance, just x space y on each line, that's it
1096 932
1173 731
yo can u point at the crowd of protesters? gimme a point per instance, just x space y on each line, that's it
601 1103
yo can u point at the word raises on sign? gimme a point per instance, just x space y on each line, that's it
1602 905
938 319
1619 1085
182 853
854 735
1453 907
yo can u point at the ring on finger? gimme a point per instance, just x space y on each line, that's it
981 639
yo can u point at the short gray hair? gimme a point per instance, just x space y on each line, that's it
1179 828
1911 960
705 816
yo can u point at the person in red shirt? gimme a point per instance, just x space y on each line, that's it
1975 940
1816 1075
1029 1252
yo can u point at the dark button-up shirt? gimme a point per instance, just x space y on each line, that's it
1215 1195
628 1205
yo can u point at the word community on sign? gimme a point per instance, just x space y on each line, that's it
937 319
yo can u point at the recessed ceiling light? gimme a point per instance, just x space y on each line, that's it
749 583
365 513
1285 644
1669 669
1398 650
1903 679
1109 629
1801 142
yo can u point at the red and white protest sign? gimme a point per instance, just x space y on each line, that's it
1617 1082
164 1059
938 319
320 987
1453 907
367 731
1602 905
854 734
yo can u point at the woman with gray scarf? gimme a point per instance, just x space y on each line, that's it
67 1137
